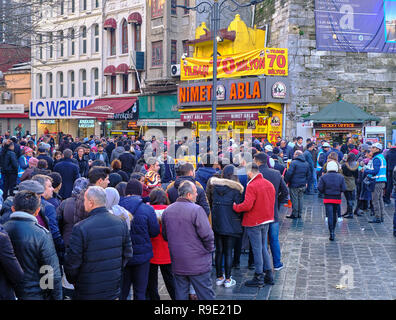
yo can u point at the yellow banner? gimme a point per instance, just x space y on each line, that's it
268 61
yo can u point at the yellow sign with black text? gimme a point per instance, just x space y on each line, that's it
266 61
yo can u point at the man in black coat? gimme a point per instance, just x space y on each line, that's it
11 273
187 173
297 177
110 147
128 160
99 249
69 173
281 194
34 249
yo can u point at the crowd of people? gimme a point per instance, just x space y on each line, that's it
104 215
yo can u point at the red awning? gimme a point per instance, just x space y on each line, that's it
135 17
103 109
110 24
245 115
14 115
109 71
123 68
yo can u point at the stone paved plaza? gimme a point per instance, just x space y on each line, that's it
362 252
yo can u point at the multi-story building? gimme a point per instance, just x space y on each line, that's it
83 51
168 30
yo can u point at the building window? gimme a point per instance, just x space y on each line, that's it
61 53
62 8
157 8
72 6
95 82
124 37
186 48
186 4
138 37
72 84
41 46
60 85
112 42
96 3
173 10
50 45
83 83
96 38
40 85
83 4
83 40
72 41
173 51
113 84
125 83
156 57
49 85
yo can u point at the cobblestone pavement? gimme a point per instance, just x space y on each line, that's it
362 252
313 263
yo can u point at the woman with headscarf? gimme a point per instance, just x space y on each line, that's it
112 200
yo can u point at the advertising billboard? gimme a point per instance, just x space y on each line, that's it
356 25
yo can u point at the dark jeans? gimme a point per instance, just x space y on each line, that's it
394 219
138 276
202 284
10 181
237 250
258 237
224 245
297 197
350 198
169 279
331 213
389 186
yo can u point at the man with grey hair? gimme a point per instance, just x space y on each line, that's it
186 227
98 251
297 177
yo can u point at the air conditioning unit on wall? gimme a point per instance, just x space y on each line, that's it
175 70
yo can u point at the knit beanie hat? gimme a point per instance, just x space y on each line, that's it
332 166
114 179
134 187
33 162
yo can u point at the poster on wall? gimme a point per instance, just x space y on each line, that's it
356 25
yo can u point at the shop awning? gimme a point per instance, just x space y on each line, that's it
109 71
14 115
123 68
110 24
245 115
103 109
340 112
135 17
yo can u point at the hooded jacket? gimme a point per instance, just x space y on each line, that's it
143 227
225 221
350 173
172 191
116 153
203 174
299 173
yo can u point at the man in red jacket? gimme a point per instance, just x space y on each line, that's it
259 213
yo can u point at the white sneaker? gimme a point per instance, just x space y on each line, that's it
219 281
229 283
340 219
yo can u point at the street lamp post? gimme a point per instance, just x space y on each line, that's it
215 9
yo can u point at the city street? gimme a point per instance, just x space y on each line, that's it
312 262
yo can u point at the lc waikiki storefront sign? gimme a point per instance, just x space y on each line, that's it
266 61
57 109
